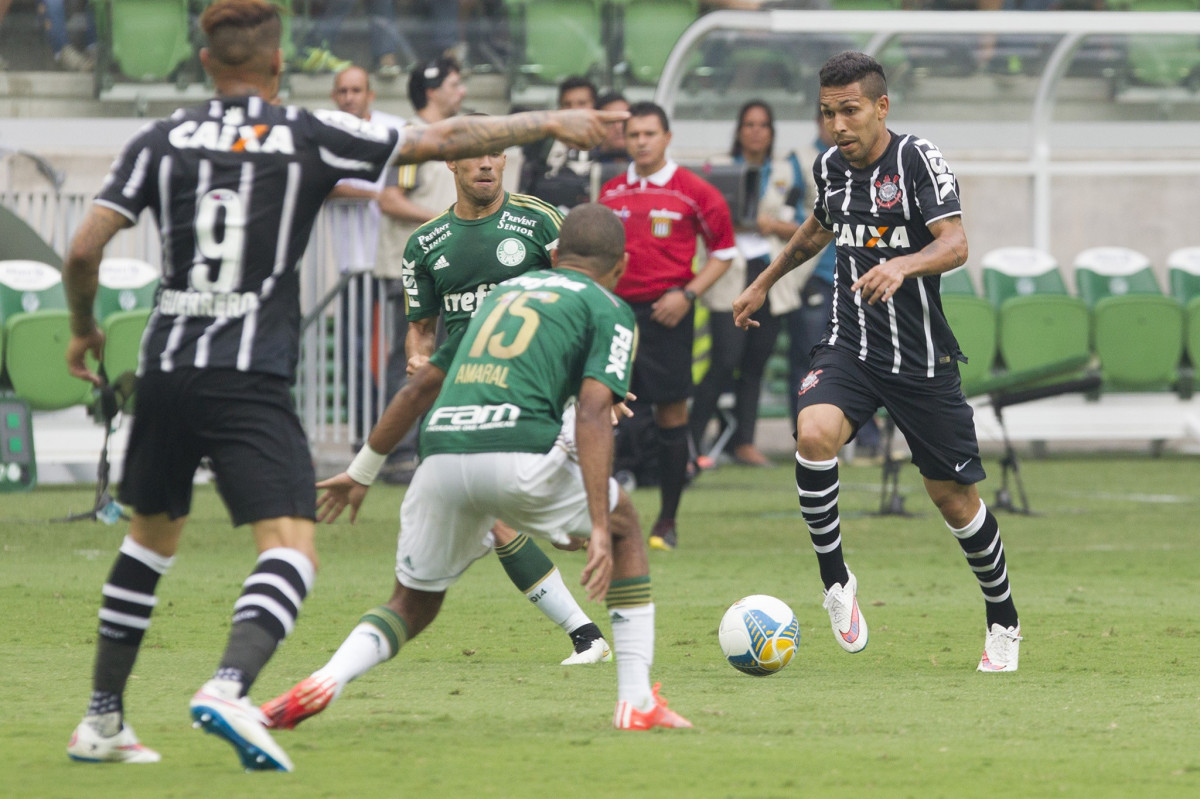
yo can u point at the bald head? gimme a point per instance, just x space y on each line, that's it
592 239
243 37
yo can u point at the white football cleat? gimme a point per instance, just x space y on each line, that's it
240 723
849 627
1001 649
89 746
596 651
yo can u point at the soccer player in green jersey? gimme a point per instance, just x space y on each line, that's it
494 446
449 265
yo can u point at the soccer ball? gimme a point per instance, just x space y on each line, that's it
759 635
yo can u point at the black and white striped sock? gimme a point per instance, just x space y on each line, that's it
128 600
981 544
265 613
817 484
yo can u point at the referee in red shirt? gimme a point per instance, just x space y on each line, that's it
664 208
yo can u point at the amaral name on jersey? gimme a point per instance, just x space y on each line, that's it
895 236
459 418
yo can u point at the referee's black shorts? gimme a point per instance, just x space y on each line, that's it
245 423
931 412
662 366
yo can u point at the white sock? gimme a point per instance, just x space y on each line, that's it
552 598
364 649
633 641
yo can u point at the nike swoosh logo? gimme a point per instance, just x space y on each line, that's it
831 192
851 635
958 467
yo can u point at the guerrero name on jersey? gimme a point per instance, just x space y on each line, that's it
882 212
450 264
223 180
526 352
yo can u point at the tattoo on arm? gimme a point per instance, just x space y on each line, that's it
474 136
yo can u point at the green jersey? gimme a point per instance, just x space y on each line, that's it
451 264
526 352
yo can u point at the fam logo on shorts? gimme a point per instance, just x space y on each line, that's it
511 252
810 380
888 191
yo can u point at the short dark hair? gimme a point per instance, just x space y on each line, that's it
610 97
576 82
430 75
593 237
853 67
649 109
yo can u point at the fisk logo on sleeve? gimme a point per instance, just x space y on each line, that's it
620 352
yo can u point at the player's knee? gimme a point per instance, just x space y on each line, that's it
623 521
815 442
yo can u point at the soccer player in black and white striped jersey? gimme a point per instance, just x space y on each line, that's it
889 202
234 185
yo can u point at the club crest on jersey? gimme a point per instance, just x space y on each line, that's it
660 222
511 252
810 380
888 191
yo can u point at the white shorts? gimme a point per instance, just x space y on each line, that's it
454 500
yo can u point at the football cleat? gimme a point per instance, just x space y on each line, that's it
849 627
596 650
306 698
628 717
240 723
663 535
1001 649
89 746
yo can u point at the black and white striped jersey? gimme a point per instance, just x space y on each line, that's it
235 185
881 212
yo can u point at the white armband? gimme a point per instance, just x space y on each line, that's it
365 466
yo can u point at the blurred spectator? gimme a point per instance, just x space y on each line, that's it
612 149
355 233
52 16
415 193
554 171
738 358
316 49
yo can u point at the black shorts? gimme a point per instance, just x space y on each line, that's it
931 412
243 422
662 367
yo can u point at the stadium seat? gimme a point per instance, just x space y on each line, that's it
957 281
36 332
146 39
556 38
1137 332
649 30
1183 270
973 320
125 284
1039 322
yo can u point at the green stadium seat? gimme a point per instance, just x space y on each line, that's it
973 320
555 39
146 39
1137 332
649 30
1039 322
36 332
957 281
125 284
1183 271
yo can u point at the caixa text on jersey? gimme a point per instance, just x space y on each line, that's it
173 302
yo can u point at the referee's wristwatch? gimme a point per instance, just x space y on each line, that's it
688 293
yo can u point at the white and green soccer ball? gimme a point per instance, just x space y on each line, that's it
759 635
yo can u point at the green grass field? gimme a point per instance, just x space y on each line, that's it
1106 703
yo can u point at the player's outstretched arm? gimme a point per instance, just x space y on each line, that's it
594 437
808 240
471 136
81 279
